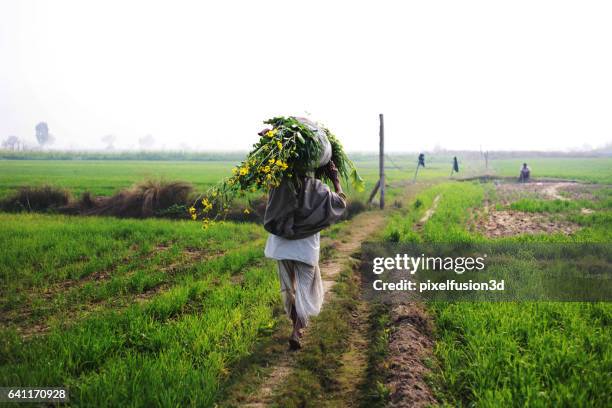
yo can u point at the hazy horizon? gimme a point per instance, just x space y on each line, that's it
462 76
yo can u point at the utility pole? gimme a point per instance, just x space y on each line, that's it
381 162
380 184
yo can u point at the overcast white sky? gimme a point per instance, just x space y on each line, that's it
459 74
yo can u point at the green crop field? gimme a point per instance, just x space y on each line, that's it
105 177
517 353
595 170
153 312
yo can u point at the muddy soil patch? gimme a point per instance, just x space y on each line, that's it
507 193
579 191
494 224
410 345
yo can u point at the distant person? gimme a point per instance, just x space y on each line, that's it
455 168
421 163
525 173
421 160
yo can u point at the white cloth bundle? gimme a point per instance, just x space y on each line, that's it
326 150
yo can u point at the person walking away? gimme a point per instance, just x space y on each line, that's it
296 212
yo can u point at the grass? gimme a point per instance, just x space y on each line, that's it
105 177
600 202
549 206
452 198
42 250
314 377
104 340
157 312
514 354
594 170
524 354
173 351
127 305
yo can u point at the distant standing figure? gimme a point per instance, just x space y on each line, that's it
455 166
525 173
421 160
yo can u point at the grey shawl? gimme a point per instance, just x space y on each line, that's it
295 213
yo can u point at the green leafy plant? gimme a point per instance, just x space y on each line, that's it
288 150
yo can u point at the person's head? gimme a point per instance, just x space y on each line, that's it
524 164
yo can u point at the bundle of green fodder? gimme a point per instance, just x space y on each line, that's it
291 148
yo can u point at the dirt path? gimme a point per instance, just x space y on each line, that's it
359 228
430 211
552 190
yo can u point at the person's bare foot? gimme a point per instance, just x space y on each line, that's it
294 342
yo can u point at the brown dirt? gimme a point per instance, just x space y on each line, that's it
410 344
430 211
579 191
506 223
510 192
360 227
493 223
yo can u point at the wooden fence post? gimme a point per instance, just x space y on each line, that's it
381 162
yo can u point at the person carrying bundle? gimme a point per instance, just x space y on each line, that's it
290 162
525 173
296 212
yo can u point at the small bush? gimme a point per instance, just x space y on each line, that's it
353 208
42 198
147 199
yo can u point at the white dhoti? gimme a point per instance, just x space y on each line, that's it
302 288
299 274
